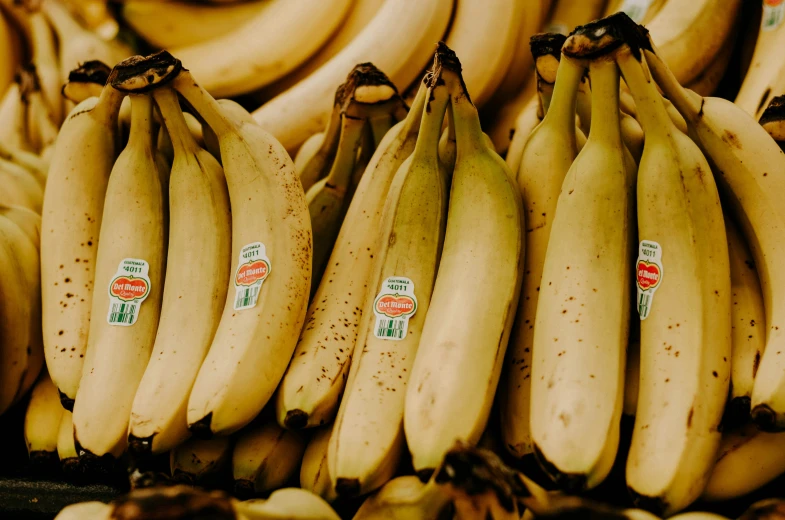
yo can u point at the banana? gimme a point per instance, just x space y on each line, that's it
42 421
755 88
485 33
707 82
773 118
271 235
20 186
30 161
77 44
471 312
310 391
686 325
404 498
546 158
397 40
66 450
127 299
195 461
691 34
47 66
749 325
265 47
576 444
237 111
747 460
41 129
529 118
641 11
10 61
367 439
71 221
265 457
308 151
360 13
27 220
178 24
287 504
18 325
314 473
742 150
699 515
13 114
197 278
85 511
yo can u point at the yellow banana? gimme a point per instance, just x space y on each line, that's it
42 421
397 40
8 44
471 313
66 450
46 64
27 220
85 511
127 296
13 114
71 222
286 504
196 461
707 82
196 284
314 473
20 187
641 11
404 498
367 439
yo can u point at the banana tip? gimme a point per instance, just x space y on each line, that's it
766 419
295 420
347 487
243 488
66 401
202 429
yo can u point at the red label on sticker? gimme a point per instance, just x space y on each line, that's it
648 275
773 3
129 288
252 272
394 306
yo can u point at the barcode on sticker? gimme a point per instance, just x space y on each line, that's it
644 303
122 314
636 9
393 329
773 14
245 297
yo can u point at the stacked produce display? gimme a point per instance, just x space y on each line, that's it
383 259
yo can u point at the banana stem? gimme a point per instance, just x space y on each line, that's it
108 106
203 103
141 133
687 102
379 127
605 100
169 107
351 133
427 145
651 110
565 93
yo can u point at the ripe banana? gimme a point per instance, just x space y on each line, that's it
747 460
42 421
127 299
314 473
748 339
286 504
18 324
41 129
742 150
265 47
196 461
755 89
546 158
471 312
641 11
20 187
30 161
265 457
13 114
310 391
27 220
686 325
577 391
85 511
209 137
10 62
485 33
316 165
46 64
270 236
404 498
66 450
178 24
77 44
71 221
397 41
707 82
197 278
367 439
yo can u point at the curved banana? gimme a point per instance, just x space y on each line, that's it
314 473
66 450
46 64
576 444
236 111
685 341
265 457
404 498
29 160
20 187
397 40
484 33
308 151
85 511
42 421
287 504
742 150
41 129
690 35
761 73
310 391
271 235
467 333
546 158
265 47
747 460
196 460
127 296
27 220
177 24
13 115
71 222
197 278
707 81
367 439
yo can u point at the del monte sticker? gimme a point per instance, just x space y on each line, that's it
393 307
129 287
